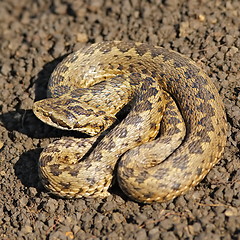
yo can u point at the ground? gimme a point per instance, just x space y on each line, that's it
35 36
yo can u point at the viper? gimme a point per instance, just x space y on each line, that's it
173 134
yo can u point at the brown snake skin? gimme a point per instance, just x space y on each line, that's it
172 136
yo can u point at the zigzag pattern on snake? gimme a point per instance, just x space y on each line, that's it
173 135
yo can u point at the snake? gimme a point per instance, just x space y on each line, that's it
153 122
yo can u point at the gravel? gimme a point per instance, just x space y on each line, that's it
35 36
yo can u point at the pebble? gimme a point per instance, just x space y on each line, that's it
232 212
154 233
141 235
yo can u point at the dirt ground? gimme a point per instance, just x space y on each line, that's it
35 36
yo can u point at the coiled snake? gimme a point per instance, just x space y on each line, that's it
172 136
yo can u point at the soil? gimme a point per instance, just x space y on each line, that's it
35 36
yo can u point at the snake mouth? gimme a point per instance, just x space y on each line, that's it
59 122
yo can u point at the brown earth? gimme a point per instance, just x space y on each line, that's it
35 35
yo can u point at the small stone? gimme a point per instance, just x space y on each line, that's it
154 233
232 51
69 235
117 217
27 229
232 211
166 224
23 201
51 205
141 235
82 37
197 227
201 17
236 137
184 27
6 68
141 218
229 40
58 48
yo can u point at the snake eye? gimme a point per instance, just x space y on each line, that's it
45 114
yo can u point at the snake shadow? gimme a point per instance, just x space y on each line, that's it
26 169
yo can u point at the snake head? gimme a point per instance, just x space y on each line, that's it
69 114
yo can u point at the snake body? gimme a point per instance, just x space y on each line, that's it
172 136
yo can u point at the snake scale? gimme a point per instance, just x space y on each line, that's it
173 134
